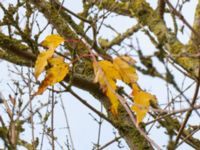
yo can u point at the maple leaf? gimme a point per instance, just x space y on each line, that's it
52 41
106 75
54 74
126 70
41 61
141 102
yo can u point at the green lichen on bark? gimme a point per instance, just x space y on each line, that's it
128 131
148 17
61 25
196 25
105 44
145 15
8 43
13 58
14 51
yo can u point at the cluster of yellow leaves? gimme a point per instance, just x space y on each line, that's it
58 68
106 74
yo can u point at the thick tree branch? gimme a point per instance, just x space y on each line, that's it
145 15
13 51
122 122
196 25
60 24
16 52
119 38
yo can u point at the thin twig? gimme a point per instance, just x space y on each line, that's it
67 123
182 18
86 103
52 119
192 133
31 111
99 130
190 111
170 113
110 142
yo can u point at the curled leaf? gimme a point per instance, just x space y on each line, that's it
124 65
41 61
51 42
54 74
106 75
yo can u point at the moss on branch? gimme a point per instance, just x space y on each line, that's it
14 51
145 15
61 25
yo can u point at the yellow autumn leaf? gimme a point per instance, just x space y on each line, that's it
54 74
52 41
141 102
105 69
124 65
59 68
106 75
41 61
113 100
